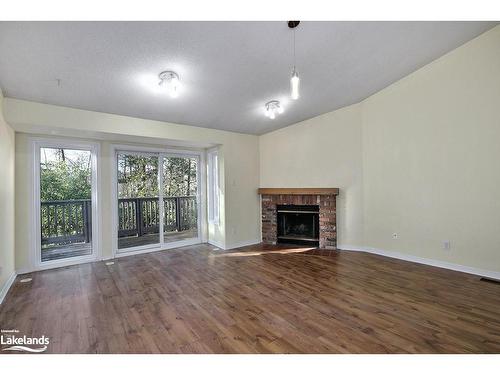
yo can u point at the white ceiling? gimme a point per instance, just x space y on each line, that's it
228 70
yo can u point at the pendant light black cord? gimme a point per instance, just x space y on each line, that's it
294 59
293 25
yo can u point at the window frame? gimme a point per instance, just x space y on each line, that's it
162 152
213 184
35 240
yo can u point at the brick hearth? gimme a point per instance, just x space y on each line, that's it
327 215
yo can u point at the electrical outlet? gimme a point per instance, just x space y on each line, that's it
394 236
446 245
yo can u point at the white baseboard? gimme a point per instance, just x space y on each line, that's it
22 271
426 261
236 245
7 286
243 243
216 244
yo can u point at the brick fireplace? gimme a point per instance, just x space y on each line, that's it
322 198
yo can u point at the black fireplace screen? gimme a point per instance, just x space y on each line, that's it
298 224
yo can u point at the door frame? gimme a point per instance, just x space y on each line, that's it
201 195
35 238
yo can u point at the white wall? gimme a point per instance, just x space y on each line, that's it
6 202
240 214
431 156
419 158
324 151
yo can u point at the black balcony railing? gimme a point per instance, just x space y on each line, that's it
65 222
70 221
140 216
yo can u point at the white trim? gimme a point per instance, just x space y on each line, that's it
202 198
7 286
139 249
25 270
426 261
234 246
242 244
152 249
161 153
58 263
37 143
114 198
213 187
161 206
145 149
216 244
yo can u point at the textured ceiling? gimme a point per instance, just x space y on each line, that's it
228 70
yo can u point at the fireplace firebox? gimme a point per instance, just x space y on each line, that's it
298 224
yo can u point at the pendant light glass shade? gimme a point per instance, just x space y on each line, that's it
294 85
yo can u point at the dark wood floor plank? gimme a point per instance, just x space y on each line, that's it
258 299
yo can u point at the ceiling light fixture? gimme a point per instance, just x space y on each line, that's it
170 81
272 108
294 80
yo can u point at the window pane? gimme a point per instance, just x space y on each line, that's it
180 189
138 201
65 203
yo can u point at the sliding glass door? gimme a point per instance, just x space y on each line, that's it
157 200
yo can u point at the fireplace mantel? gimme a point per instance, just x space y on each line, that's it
298 191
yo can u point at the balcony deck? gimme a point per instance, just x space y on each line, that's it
81 249
149 239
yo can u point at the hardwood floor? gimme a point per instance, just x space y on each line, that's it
260 299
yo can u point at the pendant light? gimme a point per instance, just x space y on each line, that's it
294 80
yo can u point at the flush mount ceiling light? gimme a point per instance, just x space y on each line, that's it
272 108
170 81
294 80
